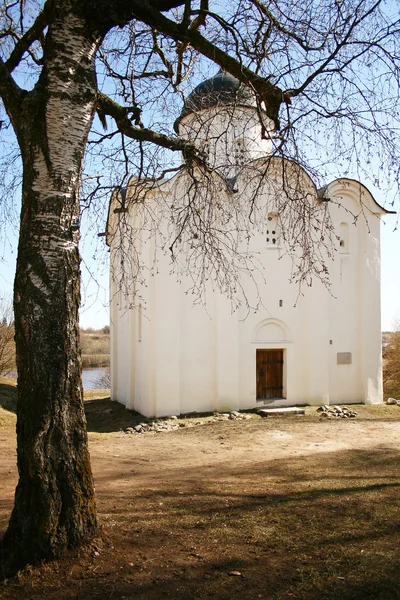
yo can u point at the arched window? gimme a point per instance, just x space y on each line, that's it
272 230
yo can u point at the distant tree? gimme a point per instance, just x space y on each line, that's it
7 345
391 366
325 73
104 380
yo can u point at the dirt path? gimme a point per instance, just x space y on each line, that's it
192 513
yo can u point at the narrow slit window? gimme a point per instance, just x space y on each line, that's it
139 329
272 230
344 238
240 152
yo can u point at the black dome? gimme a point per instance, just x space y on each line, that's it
221 90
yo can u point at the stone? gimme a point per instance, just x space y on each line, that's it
336 412
281 412
392 401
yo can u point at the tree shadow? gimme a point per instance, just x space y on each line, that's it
106 416
317 527
8 396
102 414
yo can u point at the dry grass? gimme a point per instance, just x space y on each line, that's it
311 527
95 348
364 411
95 342
8 402
391 367
90 361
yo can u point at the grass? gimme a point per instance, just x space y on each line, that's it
95 348
90 361
105 416
329 529
8 402
364 411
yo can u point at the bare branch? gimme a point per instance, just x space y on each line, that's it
11 94
120 115
33 34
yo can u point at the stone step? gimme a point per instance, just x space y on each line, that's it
282 412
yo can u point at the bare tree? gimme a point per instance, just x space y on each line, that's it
391 365
324 73
7 346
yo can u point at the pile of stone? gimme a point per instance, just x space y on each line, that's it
171 423
155 426
234 415
393 401
336 412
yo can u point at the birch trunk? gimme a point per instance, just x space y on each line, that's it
54 501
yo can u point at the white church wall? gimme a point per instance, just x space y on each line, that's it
167 339
372 342
124 357
197 358
355 312
171 357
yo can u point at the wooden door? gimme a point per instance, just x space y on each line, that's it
269 374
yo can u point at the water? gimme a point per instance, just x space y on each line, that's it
92 378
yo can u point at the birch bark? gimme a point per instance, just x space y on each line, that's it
54 502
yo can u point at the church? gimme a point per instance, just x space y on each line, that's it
233 329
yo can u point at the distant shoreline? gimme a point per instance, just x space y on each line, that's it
95 361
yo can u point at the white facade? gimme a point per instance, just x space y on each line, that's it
171 357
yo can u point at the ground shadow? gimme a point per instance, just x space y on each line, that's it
298 528
105 416
8 397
